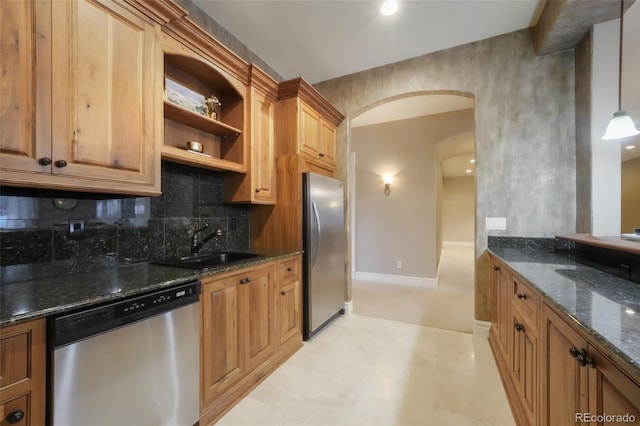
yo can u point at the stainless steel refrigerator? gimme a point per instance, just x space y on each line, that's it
324 279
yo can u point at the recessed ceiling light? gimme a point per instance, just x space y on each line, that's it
629 147
389 7
468 170
473 160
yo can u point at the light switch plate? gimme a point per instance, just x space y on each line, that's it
496 223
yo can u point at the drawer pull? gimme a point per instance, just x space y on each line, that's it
245 280
257 190
44 161
61 163
321 155
574 352
15 417
496 268
289 269
522 296
584 359
519 327
284 293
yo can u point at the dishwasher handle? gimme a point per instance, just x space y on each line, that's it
69 328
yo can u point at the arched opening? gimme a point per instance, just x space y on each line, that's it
426 142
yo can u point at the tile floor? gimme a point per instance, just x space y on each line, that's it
370 371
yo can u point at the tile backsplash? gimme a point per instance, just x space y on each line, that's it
35 229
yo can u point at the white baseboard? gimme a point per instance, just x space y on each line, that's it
481 328
396 279
348 307
458 243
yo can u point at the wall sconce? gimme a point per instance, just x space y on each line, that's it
387 179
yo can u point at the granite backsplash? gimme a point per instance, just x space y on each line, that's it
34 229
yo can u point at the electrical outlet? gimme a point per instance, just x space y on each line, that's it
399 264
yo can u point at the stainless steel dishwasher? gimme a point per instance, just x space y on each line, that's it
134 362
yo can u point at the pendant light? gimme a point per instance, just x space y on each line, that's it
621 125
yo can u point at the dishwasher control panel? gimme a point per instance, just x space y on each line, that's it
68 328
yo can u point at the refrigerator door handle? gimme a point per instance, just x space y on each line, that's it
315 243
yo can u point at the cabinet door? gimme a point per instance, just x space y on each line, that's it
222 345
257 294
290 316
328 139
263 145
563 382
309 138
611 392
524 373
25 85
107 73
501 322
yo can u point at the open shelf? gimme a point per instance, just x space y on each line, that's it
183 156
198 121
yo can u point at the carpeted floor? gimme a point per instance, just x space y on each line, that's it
449 306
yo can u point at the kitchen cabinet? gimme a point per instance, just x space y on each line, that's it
222 135
306 125
22 373
258 185
289 300
88 112
523 363
243 315
501 290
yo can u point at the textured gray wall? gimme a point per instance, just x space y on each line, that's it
525 130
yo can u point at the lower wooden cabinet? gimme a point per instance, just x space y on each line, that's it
552 372
249 327
22 374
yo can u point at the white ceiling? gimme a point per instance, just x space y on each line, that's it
323 39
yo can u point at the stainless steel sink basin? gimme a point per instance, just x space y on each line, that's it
207 260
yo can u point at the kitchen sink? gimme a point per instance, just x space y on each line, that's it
206 261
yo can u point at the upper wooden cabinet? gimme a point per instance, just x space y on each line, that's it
306 124
83 105
258 186
221 134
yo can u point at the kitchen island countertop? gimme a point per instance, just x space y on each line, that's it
604 306
36 298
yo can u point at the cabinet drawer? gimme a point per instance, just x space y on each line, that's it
289 270
525 299
15 411
14 358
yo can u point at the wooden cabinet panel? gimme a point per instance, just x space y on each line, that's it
563 382
25 101
523 364
525 300
328 141
611 392
289 270
290 315
222 346
501 321
22 372
309 138
263 145
258 298
106 87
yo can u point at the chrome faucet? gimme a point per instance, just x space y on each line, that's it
197 243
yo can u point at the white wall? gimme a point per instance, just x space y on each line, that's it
403 225
458 209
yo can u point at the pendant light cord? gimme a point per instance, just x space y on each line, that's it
620 57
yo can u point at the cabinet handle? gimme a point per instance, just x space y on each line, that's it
522 296
574 352
245 280
44 161
584 359
61 163
289 269
284 293
257 189
496 268
15 417
519 327
321 155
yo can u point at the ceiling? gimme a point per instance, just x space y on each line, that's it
323 39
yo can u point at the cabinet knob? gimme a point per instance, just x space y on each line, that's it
245 280
61 163
519 327
284 293
521 296
289 269
15 417
583 358
44 161
257 189
574 352
321 155
496 268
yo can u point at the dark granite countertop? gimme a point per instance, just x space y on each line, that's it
605 306
30 299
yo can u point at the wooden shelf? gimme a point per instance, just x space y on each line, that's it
200 122
183 156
